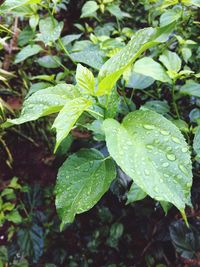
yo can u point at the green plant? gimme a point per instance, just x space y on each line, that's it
137 145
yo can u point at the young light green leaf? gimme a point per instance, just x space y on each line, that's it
117 65
9 5
89 9
85 80
167 3
68 116
26 52
50 30
186 53
45 102
149 67
82 180
171 61
147 148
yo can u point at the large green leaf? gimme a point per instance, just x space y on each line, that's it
50 30
27 51
153 152
116 65
89 9
68 117
149 67
171 61
45 102
90 57
82 180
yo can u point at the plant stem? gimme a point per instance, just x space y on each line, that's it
174 101
65 50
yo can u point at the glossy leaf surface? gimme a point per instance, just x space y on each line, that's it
82 180
147 148
45 102
68 117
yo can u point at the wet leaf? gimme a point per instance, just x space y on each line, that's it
45 102
149 67
147 148
85 80
68 116
111 71
82 180
26 52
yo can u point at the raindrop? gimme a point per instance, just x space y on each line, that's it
149 126
149 147
164 132
184 149
171 157
176 140
183 169
165 164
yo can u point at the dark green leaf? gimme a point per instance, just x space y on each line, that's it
26 52
82 181
31 242
186 240
49 62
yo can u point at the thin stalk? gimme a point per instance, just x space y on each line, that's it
65 50
174 101
94 112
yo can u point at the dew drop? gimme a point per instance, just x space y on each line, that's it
171 157
149 147
165 164
149 126
184 149
183 169
176 140
163 132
